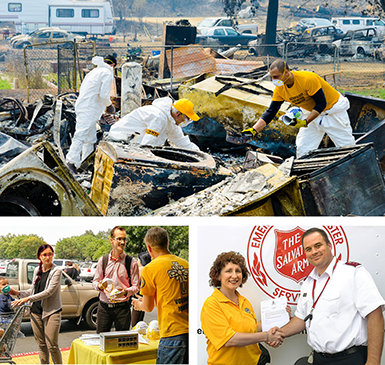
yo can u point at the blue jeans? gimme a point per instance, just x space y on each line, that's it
173 350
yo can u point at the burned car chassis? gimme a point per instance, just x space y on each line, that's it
38 183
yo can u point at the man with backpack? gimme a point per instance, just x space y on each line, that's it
117 279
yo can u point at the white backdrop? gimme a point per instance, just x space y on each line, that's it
360 240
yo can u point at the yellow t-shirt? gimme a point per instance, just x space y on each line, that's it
221 319
306 84
166 279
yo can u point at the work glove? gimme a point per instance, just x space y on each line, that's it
299 123
110 109
249 132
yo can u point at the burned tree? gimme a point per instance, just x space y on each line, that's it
368 7
365 7
232 7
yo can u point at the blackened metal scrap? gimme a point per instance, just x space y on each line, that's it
36 111
238 139
10 147
46 122
227 81
56 127
255 74
16 108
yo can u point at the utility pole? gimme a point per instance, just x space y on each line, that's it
271 28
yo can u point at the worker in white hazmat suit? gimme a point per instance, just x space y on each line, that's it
154 124
94 97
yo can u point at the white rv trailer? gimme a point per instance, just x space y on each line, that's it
77 16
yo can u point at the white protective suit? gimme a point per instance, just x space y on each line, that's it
334 122
154 124
94 97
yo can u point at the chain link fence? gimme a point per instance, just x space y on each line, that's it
57 68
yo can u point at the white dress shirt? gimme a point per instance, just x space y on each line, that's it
339 317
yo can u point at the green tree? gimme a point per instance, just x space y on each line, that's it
20 246
87 246
90 246
178 239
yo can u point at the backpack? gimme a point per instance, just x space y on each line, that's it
127 264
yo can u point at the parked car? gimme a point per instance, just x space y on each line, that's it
79 299
16 38
87 271
313 40
62 262
322 34
360 41
45 35
305 23
227 22
223 36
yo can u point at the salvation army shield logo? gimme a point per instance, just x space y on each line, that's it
277 262
289 257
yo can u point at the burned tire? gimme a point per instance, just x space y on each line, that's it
11 205
361 51
91 315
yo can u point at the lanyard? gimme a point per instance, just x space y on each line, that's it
310 315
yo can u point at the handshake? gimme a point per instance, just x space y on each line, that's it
275 337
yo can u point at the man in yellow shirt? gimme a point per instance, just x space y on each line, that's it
165 283
307 90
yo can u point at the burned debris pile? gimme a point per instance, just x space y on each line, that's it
233 178
230 175
252 189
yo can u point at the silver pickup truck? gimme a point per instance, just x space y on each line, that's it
227 22
79 299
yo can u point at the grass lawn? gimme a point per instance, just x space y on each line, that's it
377 93
5 85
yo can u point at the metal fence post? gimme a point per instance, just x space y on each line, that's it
26 71
58 71
171 67
74 47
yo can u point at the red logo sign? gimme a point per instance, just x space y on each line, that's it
277 261
289 256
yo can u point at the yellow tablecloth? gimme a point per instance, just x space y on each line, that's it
83 354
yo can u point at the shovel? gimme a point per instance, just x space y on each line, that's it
238 138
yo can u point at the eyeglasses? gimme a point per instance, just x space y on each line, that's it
120 239
47 254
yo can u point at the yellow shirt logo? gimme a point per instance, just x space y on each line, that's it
153 133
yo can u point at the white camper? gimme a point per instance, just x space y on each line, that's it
83 17
353 23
